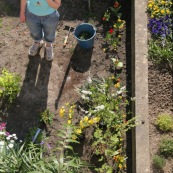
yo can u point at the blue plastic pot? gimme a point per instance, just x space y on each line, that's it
85 27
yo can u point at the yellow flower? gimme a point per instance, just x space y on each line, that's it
78 131
162 11
119 36
85 119
152 16
69 122
115 26
117 85
150 5
121 26
120 166
119 20
62 111
96 119
81 124
163 2
167 11
90 121
70 116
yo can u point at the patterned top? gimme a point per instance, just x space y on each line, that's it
39 7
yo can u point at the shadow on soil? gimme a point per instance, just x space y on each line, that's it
79 62
32 99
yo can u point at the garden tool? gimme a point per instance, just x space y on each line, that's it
70 29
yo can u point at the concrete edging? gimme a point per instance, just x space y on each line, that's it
140 135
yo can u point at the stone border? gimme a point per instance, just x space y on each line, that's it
140 135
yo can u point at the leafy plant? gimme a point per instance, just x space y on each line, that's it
9 86
166 147
159 161
47 117
164 122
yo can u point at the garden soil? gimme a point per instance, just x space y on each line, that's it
49 85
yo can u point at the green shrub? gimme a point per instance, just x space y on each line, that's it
9 85
158 161
166 147
164 122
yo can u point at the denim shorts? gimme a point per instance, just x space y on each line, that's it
42 27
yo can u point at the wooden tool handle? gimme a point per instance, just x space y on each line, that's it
65 40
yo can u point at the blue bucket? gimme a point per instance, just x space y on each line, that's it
85 28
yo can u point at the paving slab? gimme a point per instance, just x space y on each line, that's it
141 156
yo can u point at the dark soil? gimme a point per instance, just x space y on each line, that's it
49 85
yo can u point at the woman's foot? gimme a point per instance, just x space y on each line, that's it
49 52
33 50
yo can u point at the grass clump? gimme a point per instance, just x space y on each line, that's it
158 161
164 122
166 147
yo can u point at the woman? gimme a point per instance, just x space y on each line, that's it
41 17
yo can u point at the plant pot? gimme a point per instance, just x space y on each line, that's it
85 34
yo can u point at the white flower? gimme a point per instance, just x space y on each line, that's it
119 92
86 92
1 143
15 138
84 97
89 80
100 107
10 145
7 138
14 135
21 141
2 133
12 141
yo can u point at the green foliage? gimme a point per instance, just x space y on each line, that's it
68 160
9 85
47 117
40 138
166 147
160 51
158 161
164 122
